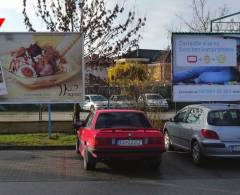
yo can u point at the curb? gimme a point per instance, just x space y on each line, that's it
64 147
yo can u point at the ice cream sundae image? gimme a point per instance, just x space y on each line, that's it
35 61
43 62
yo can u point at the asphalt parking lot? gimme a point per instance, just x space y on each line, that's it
62 171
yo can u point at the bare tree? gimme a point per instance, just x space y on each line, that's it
202 16
103 32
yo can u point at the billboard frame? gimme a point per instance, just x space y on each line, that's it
81 100
172 59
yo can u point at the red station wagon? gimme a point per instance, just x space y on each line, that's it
119 134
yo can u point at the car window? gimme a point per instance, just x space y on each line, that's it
87 99
122 120
194 115
98 98
181 116
122 98
224 118
154 97
89 120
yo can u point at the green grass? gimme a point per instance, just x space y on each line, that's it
37 139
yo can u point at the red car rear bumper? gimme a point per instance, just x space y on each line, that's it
126 153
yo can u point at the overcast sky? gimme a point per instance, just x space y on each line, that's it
161 14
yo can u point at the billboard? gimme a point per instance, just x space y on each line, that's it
205 67
41 68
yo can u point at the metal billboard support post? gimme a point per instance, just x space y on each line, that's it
49 121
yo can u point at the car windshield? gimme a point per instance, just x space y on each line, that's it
224 118
154 97
98 98
122 120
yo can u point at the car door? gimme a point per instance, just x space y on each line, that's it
85 132
192 123
175 127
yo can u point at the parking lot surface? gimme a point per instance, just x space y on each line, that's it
61 172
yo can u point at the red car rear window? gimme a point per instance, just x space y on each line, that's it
122 119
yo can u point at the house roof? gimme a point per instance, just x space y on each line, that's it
152 55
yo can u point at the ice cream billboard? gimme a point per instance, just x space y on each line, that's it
205 67
41 67
3 89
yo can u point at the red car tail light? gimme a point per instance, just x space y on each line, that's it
154 140
103 141
209 134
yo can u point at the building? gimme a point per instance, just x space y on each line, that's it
96 70
158 61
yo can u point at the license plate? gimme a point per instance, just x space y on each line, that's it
128 142
235 148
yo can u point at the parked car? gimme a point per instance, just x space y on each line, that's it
122 101
152 101
95 102
205 130
119 134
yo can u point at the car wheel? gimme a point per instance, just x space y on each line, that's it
167 142
196 153
88 161
92 108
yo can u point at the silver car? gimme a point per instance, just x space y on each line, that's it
95 102
122 101
205 130
152 101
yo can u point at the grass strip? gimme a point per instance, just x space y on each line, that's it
37 139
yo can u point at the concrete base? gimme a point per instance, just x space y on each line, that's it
35 127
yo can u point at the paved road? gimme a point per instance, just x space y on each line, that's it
61 172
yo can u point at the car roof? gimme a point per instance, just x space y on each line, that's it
119 95
93 95
118 110
151 94
217 106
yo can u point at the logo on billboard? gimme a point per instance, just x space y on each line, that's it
192 59
206 59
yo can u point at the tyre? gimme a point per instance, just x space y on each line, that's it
167 142
88 162
196 154
92 108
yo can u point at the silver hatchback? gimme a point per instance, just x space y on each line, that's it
205 130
